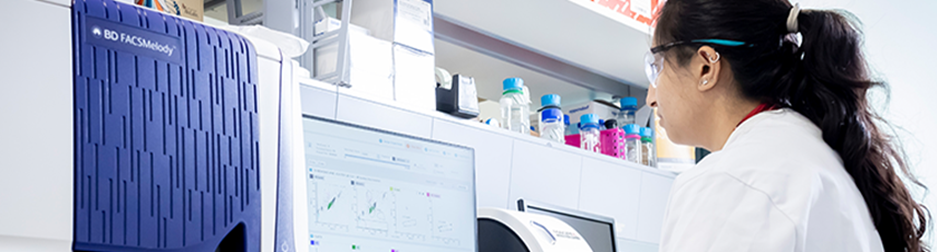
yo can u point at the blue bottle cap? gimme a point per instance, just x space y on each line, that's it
513 83
601 122
647 132
550 100
551 113
628 102
589 118
632 129
566 120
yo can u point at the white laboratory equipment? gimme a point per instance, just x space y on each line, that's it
502 230
597 230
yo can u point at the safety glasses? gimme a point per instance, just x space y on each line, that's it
654 60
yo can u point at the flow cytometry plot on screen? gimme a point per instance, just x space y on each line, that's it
414 215
375 209
334 204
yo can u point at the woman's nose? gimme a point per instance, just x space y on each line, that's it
651 96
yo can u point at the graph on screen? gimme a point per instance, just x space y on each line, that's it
373 191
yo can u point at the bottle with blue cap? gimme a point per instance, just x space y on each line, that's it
552 126
629 105
570 130
647 147
515 110
589 133
550 101
633 143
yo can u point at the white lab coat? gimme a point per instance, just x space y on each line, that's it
775 186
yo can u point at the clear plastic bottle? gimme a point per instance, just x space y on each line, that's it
515 109
647 151
551 125
589 133
629 105
633 143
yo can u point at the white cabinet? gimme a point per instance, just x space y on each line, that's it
382 116
654 192
544 174
492 159
612 190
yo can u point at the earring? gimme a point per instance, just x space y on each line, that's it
705 82
715 59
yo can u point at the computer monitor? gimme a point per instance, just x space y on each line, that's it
373 190
599 231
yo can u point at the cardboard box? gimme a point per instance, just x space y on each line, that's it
192 9
603 109
414 77
406 22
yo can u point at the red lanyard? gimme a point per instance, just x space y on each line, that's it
761 108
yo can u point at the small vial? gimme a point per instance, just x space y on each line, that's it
589 133
648 156
633 143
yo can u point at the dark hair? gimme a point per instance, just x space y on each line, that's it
826 79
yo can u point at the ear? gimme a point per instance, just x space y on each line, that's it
709 64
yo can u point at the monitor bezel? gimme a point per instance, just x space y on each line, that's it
301 188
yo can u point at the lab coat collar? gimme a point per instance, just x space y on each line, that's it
740 132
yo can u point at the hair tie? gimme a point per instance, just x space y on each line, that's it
792 26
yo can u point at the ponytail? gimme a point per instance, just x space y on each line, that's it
825 78
835 82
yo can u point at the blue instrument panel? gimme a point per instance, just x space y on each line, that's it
166 133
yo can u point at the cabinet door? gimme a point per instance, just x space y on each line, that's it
653 202
318 101
544 174
492 160
381 116
613 190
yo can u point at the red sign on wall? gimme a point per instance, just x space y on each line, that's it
643 11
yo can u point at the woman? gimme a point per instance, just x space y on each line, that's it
798 162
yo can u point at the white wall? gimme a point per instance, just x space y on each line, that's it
900 47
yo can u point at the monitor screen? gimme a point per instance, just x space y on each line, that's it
370 190
598 233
